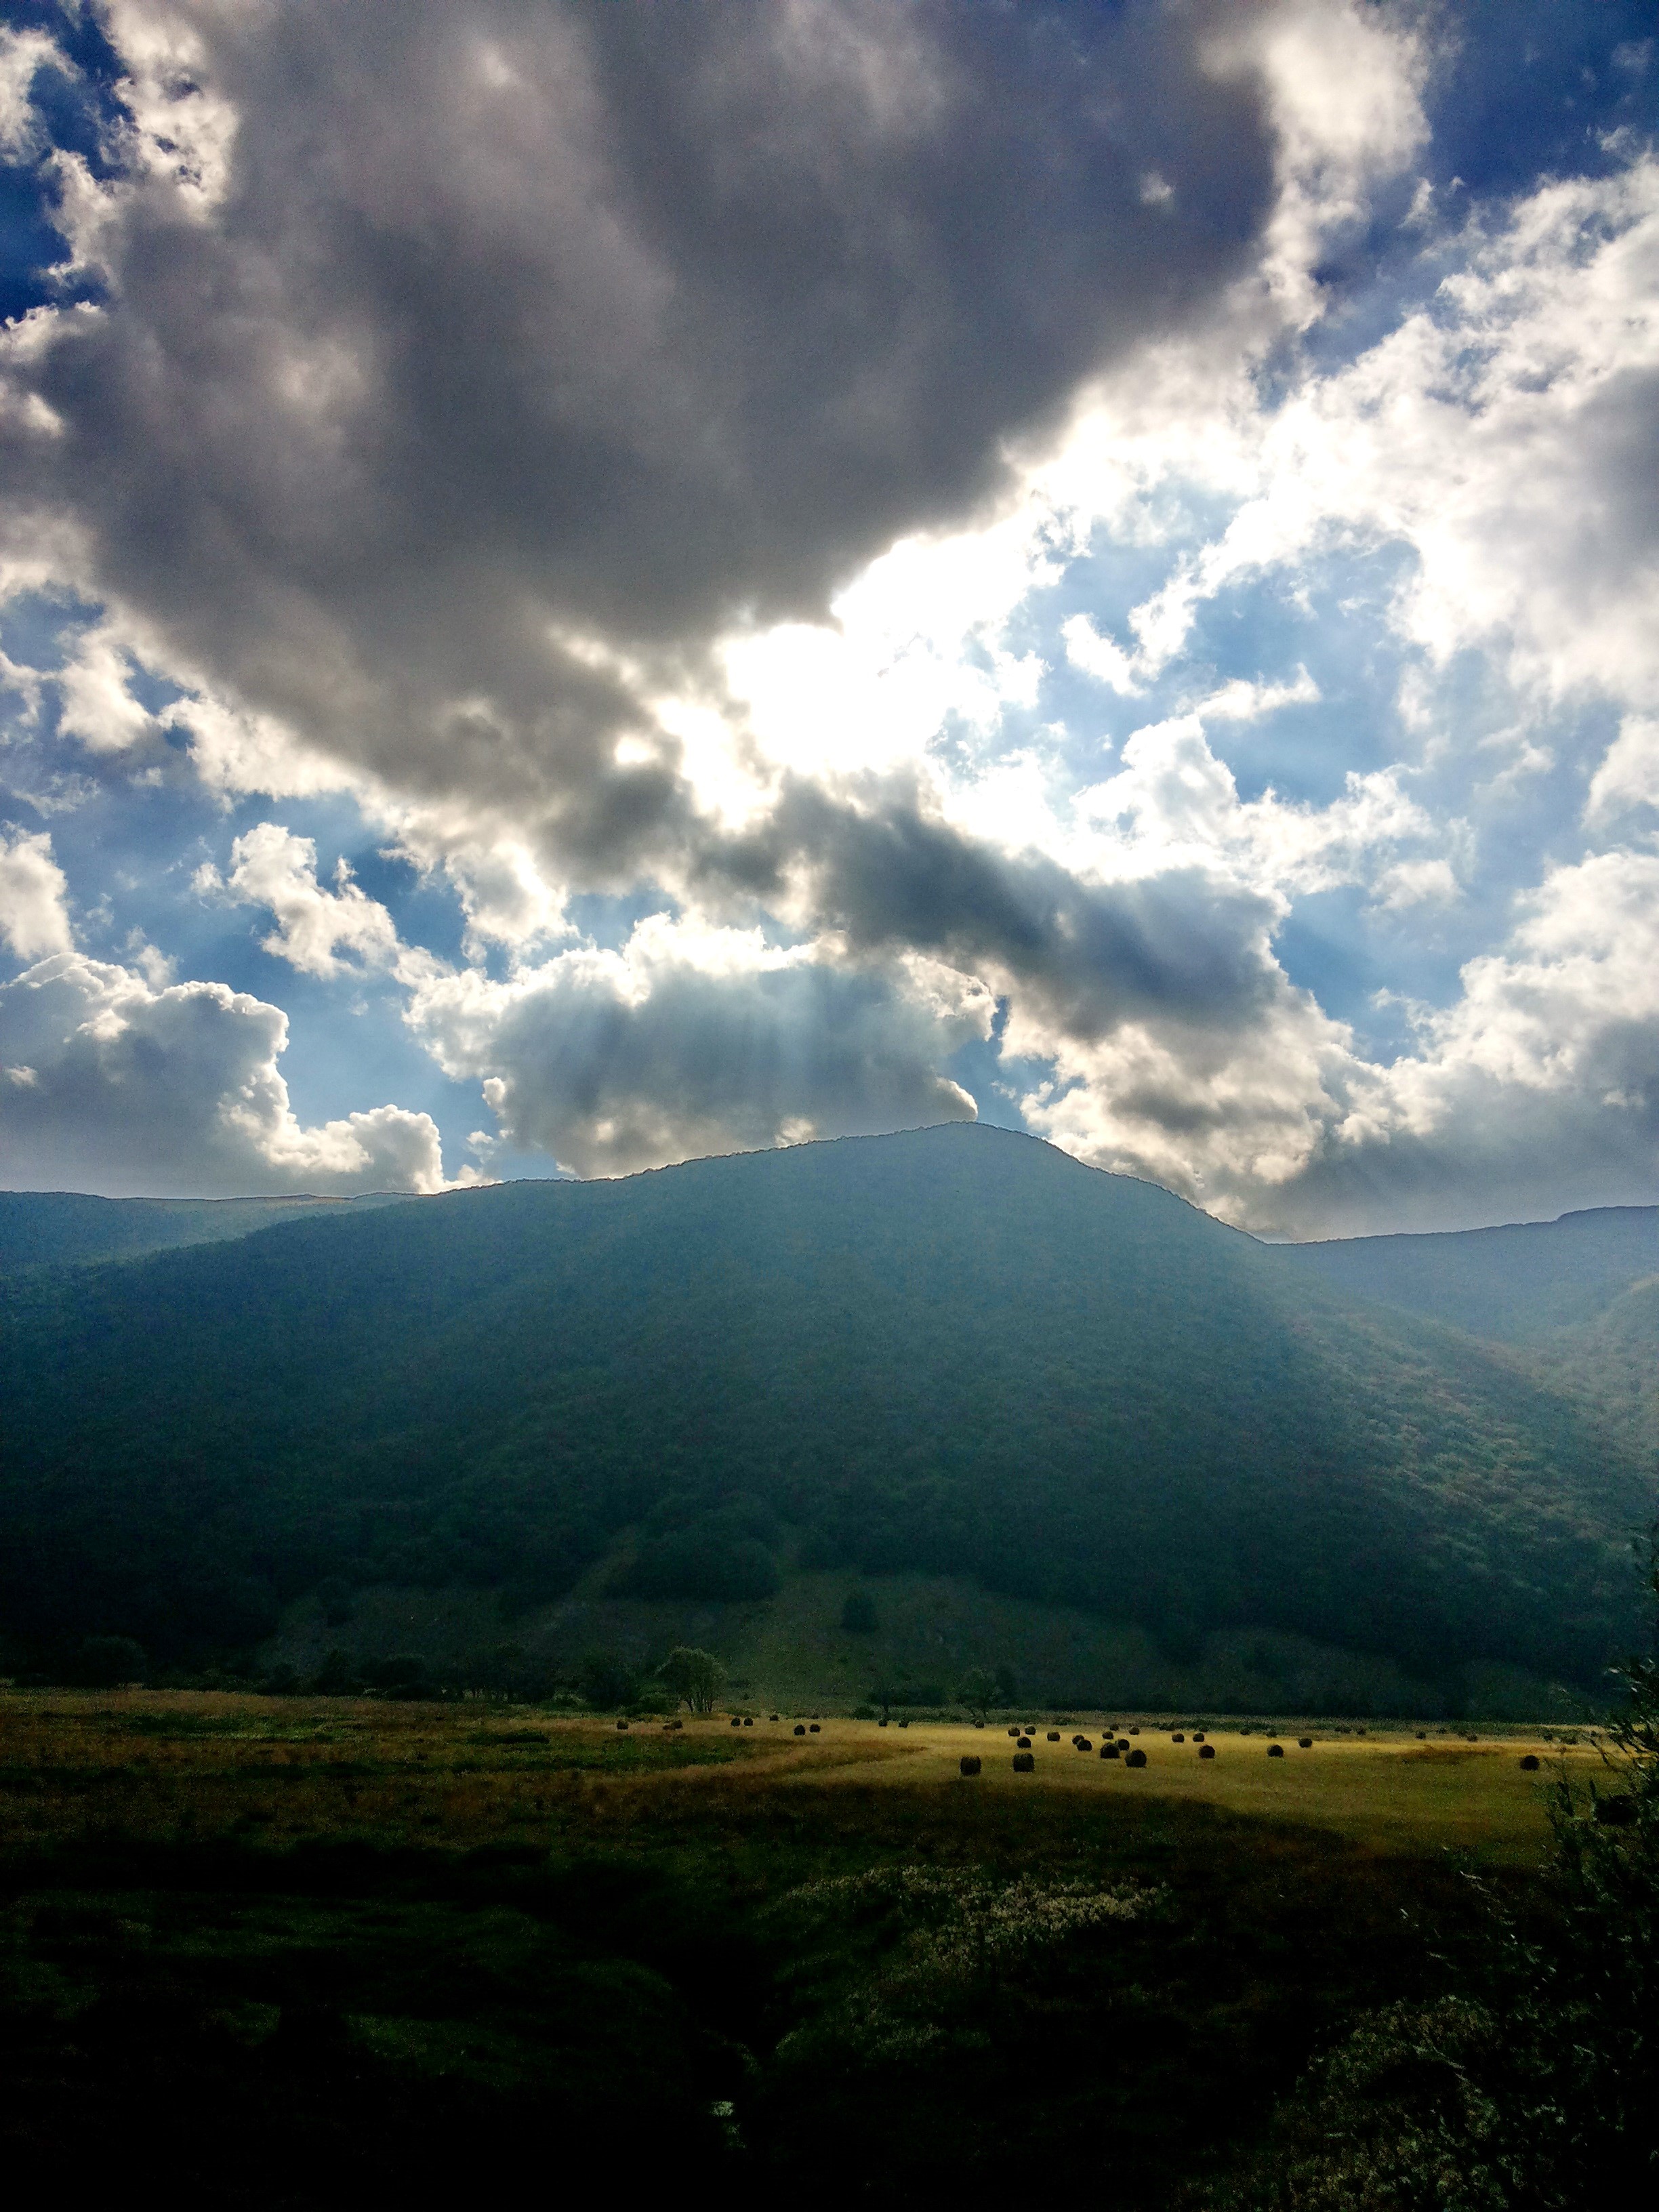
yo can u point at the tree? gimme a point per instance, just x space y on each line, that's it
104 1660
1007 1685
858 1615
977 1690
605 1681
695 1676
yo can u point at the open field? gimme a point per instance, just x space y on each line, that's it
170 1764
286 1951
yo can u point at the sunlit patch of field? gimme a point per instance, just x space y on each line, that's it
183 1765
1389 1789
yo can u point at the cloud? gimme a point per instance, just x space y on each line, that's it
439 442
273 868
690 1041
34 914
109 1082
1628 777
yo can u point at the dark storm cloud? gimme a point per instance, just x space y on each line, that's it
1184 946
521 336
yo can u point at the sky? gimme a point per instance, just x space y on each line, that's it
583 585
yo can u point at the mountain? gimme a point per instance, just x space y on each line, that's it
955 1351
65 1228
1517 1284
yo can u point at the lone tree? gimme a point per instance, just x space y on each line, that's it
977 1690
696 1677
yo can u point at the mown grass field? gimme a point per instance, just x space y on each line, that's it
284 1951
165 1764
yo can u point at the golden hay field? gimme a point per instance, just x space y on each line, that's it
171 1764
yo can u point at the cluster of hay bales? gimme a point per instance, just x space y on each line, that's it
1024 1763
970 1764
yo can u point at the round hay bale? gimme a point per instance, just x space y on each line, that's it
1134 1731
905 1723
979 1724
1305 1743
749 1720
1275 1751
1084 1744
1014 1731
678 1724
773 1716
1025 1743
881 1724
1123 1743
799 1729
1530 1763
1198 1735
1178 1737
1207 1751
814 1728
970 1765
1023 1763
622 1724
737 1720
1134 1759
1422 1735
1054 1735
1110 1751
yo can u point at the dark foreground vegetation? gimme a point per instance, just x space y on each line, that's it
276 1954
956 1351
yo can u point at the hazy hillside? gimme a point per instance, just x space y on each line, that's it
1515 1284
956 1352
63 1228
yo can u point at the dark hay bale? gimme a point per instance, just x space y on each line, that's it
1025 1743
1110 1751
1054 1735
979 1724
799 1729
1207 1751
1471 1739
1616 1811
1530 1763
881 1724
1305 1743
1422 1735
749 1720
1123 1743
1023 1763
814 1728
1134 1731
678 1724
1275 1751
737 1721
1134 1759
622 1724
970 1764
773 1716
1084 1744
1198 1735
905 1723
1014 1731
1178 1737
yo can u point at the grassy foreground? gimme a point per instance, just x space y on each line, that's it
284 1951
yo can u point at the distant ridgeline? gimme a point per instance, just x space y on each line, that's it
958 1350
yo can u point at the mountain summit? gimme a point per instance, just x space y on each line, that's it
956 1350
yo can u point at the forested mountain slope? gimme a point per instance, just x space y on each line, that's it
1517 1285
956 1350
66 1228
